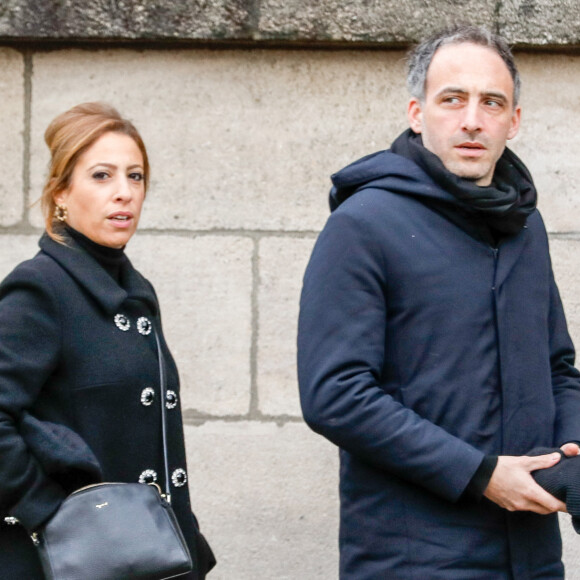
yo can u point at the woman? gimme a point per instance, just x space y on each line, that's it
78 358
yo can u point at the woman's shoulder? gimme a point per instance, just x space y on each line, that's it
39 271
34 285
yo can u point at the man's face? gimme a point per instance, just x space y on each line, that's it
468 112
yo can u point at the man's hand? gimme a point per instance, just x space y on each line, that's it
570 449
512 487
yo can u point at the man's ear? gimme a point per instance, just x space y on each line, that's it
415 115
515 123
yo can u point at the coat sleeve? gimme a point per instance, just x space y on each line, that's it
565 377
29 349
341 351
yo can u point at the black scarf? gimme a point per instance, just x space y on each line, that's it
503 206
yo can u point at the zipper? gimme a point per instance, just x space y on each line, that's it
497 338
495 261
86 487
81 489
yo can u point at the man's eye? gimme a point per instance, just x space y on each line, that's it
451 100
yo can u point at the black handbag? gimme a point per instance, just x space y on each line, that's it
116 531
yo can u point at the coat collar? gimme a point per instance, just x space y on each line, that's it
89 274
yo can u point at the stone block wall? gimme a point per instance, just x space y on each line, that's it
536 23
242 138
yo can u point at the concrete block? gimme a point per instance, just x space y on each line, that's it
527 22
369 22
565 262
267 499
15 249
204 286
547 143
524 22
238 140
539 22
129 19
571 554
565 253
11 136
282 262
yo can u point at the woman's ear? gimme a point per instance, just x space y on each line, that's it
60 195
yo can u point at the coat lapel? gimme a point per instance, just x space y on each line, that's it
89 274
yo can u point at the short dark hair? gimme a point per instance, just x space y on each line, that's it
420 57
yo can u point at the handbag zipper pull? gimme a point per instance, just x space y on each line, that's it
35 539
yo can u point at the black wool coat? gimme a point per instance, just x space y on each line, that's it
79 396
420 350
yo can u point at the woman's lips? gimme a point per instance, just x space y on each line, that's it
121 219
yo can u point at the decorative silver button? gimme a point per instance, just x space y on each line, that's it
11 521
147 396
148 476
170 399
144 326
122 322
179 477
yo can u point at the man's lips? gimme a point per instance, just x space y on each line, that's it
470 149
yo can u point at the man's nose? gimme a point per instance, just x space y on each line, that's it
471 117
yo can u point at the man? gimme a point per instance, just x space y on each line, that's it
433 348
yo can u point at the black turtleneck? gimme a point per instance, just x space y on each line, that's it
111 259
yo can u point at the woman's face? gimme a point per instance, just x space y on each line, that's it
107 190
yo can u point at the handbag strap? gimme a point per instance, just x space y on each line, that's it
163 389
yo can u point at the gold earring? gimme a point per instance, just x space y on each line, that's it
60 212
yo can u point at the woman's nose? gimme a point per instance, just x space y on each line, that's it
124 189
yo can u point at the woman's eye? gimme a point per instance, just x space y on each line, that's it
136 176
100 175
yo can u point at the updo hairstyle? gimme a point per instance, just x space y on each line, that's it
68 136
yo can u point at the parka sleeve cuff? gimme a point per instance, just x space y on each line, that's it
456 470
480 480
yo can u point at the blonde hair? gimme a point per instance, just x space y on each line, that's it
68 136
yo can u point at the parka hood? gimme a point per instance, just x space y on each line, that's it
408 168
384 170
